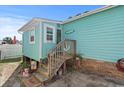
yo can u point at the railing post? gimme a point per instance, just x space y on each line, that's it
64 67
74 48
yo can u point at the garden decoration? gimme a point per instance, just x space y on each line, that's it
25 69
66 47
33 65
78 61
120 64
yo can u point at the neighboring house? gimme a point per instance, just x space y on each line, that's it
18 42
99 34
2 42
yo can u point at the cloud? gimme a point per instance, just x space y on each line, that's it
9 24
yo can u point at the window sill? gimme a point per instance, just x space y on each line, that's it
31 42
49 42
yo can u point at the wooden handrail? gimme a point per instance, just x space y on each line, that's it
56 46
58 55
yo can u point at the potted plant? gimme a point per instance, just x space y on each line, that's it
78 60
25 69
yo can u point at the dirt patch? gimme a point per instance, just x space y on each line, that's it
101 68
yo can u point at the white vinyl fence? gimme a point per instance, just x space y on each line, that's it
10 51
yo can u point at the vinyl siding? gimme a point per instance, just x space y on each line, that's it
31 50
48 46
99 36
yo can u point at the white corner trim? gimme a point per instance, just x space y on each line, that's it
40 41
45 33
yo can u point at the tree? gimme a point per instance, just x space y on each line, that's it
8 40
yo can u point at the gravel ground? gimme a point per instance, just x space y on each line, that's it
78 79
73 79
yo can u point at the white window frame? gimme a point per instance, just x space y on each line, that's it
33 30
45 34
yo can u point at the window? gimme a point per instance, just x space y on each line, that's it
32 37
49 35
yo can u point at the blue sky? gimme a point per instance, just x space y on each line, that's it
13 17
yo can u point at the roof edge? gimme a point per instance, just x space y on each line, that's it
89 13
36 19
27 25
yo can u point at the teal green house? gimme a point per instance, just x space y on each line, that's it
99 34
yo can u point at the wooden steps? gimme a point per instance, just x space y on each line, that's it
57 56
45 66
43 72
31 82
41 77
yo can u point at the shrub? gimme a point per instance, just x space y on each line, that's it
79 56
45 60
24 65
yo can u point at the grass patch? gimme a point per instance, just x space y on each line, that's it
10 60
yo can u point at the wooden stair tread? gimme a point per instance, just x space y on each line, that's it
44 66
40 77
31 82
43 71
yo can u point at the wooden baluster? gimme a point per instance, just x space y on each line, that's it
60 53
71 47
55 58
49 64
53 65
